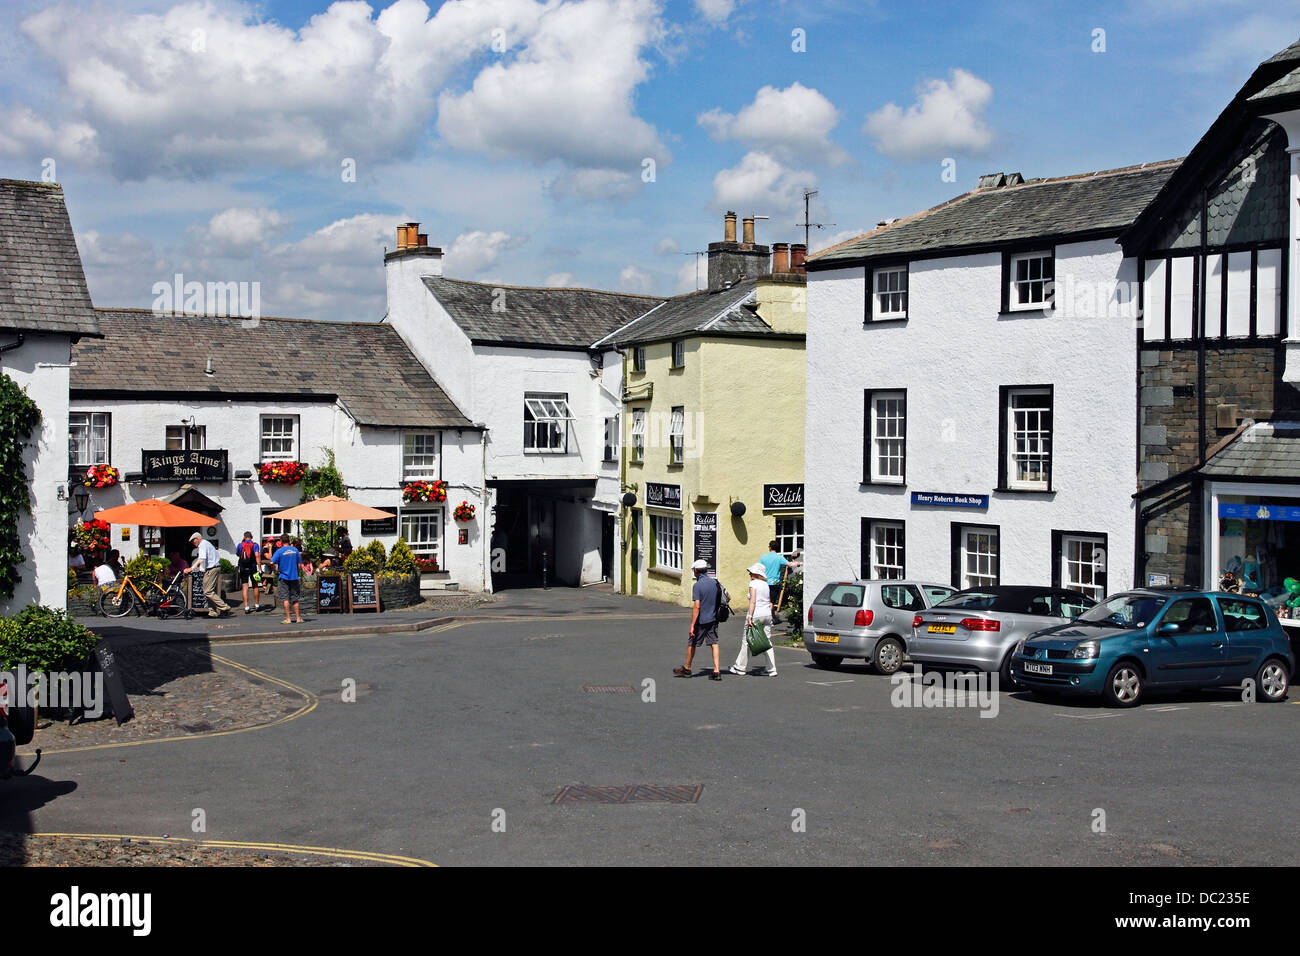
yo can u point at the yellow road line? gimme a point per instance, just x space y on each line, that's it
311 701
394 860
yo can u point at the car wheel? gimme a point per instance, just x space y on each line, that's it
1123 685
1271 682
888 656
822 660
1005 675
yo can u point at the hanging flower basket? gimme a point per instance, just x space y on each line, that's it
426 565
434 491
464 512
101 476
87 537
281 472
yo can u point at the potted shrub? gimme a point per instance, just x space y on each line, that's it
401 577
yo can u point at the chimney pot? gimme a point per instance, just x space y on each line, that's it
729 227
401 237
422 239
749 230
798 253
780 257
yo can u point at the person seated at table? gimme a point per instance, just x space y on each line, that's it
178 564
305 566
329 560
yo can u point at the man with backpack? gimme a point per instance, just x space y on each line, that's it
706 597
249 559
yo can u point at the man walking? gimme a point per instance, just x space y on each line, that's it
289 589
760 613
249 558
208 562
704 620
775 565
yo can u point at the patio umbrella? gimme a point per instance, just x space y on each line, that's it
154 513
329 508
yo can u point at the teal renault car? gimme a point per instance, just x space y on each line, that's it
1159 639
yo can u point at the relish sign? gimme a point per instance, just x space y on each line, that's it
783 497
194 465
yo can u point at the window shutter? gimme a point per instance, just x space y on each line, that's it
1058 546
865 569
956 556
871 299
1006 282
1003 404
866 436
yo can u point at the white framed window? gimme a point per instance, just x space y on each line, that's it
978 556
279 438
638 434
1083 565
1027 438
638 358
789 535
677 436
611 439
887 441
883 549
668 542
1032 279
890 287
183 437
679 354
88 438
546 422
423 533
420 455
277 526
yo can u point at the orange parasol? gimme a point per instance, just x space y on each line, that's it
154 513
329 508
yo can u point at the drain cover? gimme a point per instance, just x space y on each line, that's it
608 689
631 793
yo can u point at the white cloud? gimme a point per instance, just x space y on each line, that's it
762 184
820 240
238 231
206 87
472 252
594 184
560 280
948 117
568 95
1242 43
667 247
793 125
688 280
715 11
632 279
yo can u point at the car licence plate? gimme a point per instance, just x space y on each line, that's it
1038 669
828 638
942 628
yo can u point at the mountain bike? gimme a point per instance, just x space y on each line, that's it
125 597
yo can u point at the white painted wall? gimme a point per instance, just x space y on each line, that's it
952 355
41 366
370 460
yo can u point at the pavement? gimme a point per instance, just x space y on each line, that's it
460 739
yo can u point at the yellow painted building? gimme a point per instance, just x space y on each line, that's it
713 428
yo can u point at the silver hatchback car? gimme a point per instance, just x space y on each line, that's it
979 628
867 619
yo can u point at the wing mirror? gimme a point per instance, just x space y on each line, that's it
1168 627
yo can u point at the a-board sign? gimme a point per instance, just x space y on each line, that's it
329 594
706 538
197 601
101 658
363 592
372 527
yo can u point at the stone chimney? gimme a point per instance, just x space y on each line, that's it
780 257
798 253
731 261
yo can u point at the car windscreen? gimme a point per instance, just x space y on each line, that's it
842 595
1124 610
1012 602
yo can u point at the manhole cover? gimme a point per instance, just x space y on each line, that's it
608 689
631 793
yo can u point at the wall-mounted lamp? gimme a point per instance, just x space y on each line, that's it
81 498
629 500
737 509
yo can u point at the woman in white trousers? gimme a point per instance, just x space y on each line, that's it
760 613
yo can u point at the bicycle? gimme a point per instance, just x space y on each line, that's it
159 600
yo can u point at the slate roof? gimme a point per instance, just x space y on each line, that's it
1264 450
365 365
1091 204
42 284
722 312
542 317
1284 86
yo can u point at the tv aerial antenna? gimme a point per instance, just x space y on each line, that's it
808 224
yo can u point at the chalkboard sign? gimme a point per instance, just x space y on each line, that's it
101 658
706 538
197 601
329 594
363 593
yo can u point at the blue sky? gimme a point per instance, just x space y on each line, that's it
210 138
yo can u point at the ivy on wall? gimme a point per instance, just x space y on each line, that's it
319 482
19 417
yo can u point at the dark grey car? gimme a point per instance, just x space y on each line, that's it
867 619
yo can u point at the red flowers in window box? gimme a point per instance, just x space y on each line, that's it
281 472
101 476
87 537
426 565
434 491
464 512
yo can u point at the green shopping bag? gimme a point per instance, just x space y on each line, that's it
757 640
